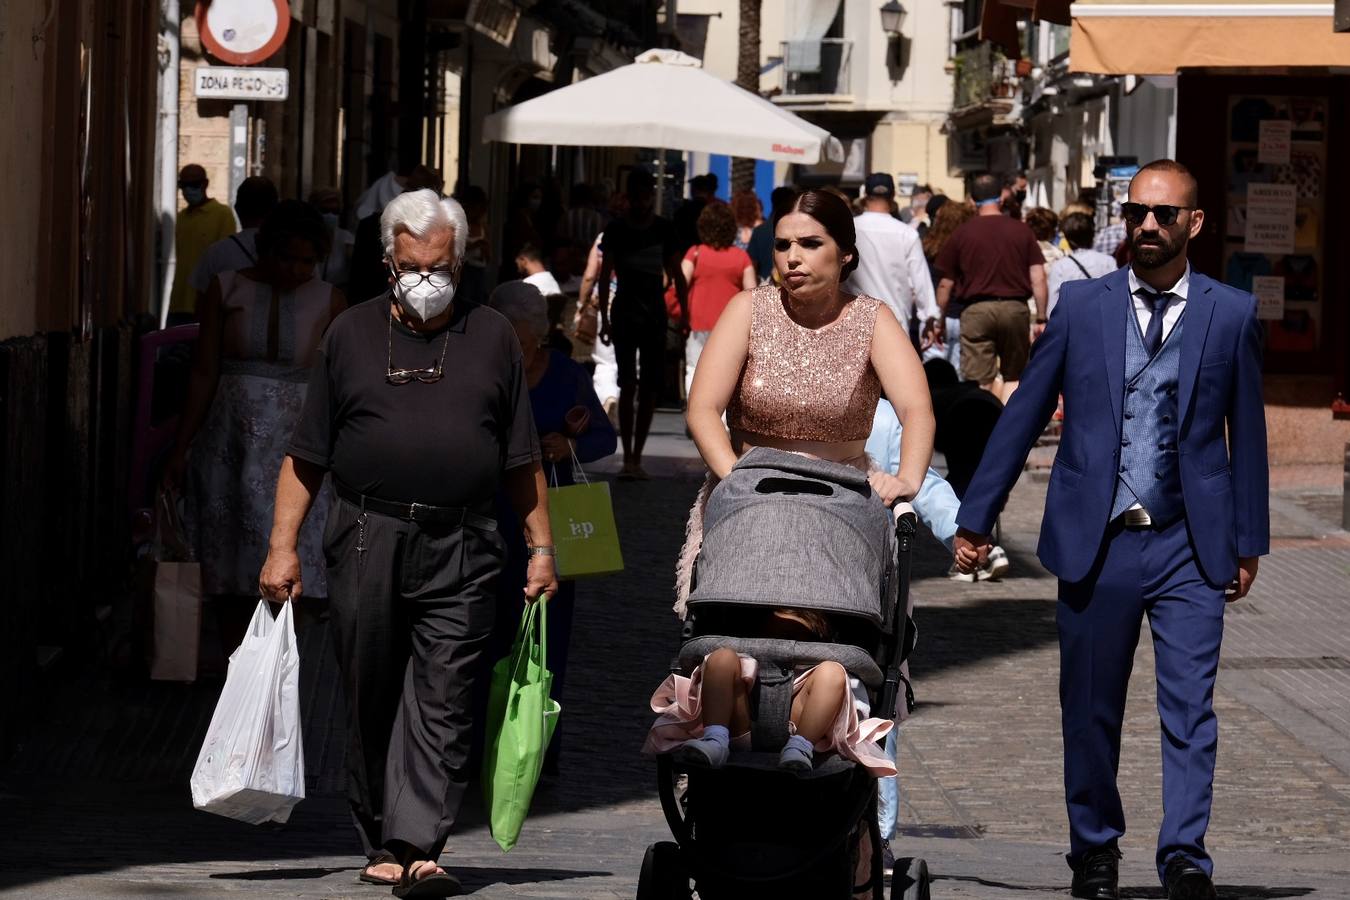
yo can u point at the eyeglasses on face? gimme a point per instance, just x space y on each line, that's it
437 278
1136 213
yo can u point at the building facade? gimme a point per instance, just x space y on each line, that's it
885 95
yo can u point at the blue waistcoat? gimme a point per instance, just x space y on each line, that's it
1149 473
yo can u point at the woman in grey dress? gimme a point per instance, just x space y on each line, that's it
260 330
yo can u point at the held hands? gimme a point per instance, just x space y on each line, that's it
280 577
1247 566
540 578
890 488
971 550
934 335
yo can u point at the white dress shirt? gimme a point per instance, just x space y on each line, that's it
892 267
1176 304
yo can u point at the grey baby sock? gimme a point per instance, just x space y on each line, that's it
711 750
796 755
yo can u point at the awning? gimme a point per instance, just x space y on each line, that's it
1156 37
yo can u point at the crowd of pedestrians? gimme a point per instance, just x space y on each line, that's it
371 421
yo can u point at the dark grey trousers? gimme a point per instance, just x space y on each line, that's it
412 611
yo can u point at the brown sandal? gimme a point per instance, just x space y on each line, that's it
442 884
384 857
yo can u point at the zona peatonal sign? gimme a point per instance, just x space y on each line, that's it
227 83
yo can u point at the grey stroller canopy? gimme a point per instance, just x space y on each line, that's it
785 530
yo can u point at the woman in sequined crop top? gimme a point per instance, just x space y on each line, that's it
800 366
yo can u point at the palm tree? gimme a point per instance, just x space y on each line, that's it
747 76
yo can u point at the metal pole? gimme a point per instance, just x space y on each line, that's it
238 147
167 189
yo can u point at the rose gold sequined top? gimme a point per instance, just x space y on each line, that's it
802 384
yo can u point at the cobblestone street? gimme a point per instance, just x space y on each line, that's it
96 801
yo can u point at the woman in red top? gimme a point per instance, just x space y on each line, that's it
715 271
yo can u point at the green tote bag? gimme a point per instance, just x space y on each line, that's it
582 519
521 719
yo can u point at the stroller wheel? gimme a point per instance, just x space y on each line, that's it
910 880
663 876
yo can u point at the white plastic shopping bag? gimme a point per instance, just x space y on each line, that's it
252 763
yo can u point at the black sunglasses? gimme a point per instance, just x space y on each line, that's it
1136 213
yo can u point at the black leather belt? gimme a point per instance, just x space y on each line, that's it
417 512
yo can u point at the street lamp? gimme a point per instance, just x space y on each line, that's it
892 16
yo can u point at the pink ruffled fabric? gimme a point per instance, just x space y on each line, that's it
679 708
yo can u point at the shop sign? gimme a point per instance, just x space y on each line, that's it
1269 292
226 83
1270 218
1275 137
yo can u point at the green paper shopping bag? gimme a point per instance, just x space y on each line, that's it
521 719
582 520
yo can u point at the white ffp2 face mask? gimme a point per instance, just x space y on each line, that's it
424 301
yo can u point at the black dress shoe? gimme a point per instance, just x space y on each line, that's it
1097 874
1187 881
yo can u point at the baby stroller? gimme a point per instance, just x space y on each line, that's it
787 530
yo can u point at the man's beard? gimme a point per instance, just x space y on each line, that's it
1156 255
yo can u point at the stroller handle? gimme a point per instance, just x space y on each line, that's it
906 529
904 507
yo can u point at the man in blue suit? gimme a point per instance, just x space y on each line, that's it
1157 506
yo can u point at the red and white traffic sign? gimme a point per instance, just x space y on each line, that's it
242 32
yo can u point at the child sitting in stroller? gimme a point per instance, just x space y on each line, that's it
706 715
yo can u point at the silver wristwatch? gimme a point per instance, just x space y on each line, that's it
543 551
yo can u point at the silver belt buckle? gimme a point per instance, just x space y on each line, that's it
412 511
1137 518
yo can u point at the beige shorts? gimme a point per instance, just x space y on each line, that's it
995 340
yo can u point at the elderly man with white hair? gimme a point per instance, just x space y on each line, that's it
419 409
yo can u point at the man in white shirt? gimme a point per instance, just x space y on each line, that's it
255 198
530 264
1082 262
891 264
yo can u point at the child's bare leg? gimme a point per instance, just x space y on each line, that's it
816 705
725 705
814 710
722 687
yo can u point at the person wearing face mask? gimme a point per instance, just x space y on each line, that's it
253 202
419 410
336 266
260 330
201 223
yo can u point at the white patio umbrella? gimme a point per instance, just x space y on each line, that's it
664 100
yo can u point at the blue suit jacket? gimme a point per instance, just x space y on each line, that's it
1224 474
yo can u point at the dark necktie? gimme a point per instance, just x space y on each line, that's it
1157 304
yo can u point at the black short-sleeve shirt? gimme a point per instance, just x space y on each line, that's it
638 255
443 444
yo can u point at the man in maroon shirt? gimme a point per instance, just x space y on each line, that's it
992 265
